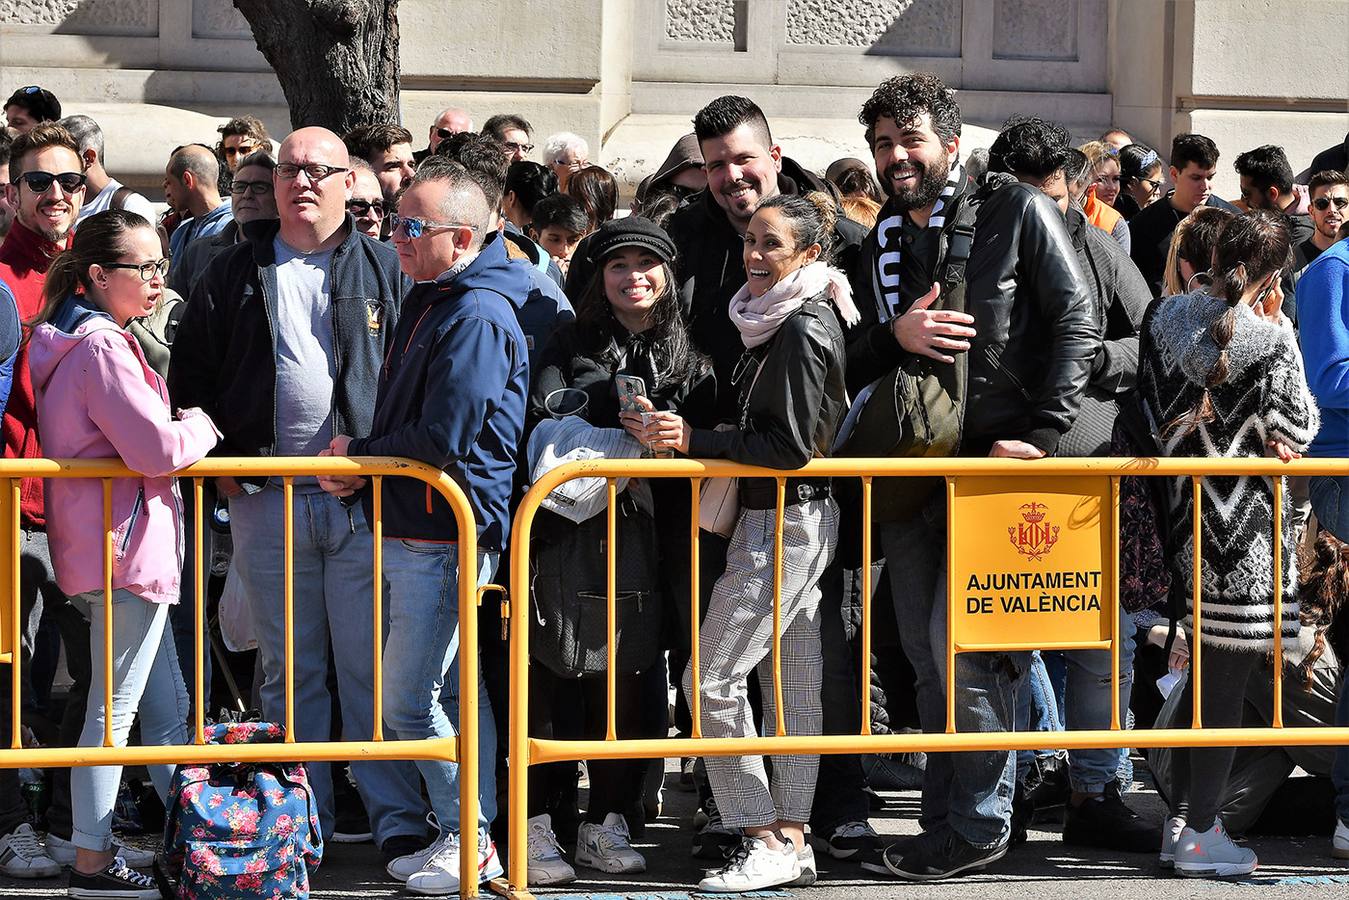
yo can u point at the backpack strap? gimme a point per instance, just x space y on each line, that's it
120 197
958 240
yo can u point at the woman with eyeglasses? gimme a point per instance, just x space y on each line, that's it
1141 179
97 397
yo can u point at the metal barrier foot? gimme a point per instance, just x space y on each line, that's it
503 887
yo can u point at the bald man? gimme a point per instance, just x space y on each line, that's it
192 187
282 342
452 120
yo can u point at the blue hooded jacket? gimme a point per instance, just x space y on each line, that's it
452 393
1323 311
11 333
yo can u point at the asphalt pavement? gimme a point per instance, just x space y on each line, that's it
1042 869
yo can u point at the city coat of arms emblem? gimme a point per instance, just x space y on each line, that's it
1033 537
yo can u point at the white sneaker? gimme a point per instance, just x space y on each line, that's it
1171 830
607 847
546 865
809 874
63 851
754 867
440 875
1212 854
22 856
1339 844
404 867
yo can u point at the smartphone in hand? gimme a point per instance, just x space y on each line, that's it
629 387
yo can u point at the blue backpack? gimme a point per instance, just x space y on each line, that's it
242 830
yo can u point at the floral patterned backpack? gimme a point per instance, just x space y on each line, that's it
242 830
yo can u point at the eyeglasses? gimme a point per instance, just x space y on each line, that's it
41 182
315 171
256 188
240 150
415 228
515 147
147 270
373 208
1153 185
1321 204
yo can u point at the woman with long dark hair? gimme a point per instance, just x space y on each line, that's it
629 334
1140 179
98 397
1223 377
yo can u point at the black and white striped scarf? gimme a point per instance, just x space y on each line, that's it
885 279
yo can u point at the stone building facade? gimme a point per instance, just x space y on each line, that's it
628 74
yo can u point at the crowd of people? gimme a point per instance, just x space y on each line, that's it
466 306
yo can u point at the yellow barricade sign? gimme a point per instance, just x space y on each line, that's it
1031 562
9 597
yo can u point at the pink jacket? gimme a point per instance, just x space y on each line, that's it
98 398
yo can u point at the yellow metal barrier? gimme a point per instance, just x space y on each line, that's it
1097 508
464 751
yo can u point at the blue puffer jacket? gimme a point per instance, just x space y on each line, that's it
452 393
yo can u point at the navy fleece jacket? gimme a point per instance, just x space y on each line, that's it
452 393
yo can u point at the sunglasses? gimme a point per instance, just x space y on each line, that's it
444 133
41 182
374 208
316 171
256 188
415 228
147 270
1321 204
515 147
242 149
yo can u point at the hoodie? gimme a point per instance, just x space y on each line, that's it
1323 308
452 393
97 397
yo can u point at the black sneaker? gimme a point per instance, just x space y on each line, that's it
1107 823
1023 811
116 882
1049 789
849 840
902 845
937 859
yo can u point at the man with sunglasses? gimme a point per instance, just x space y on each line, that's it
1329 192
282 343
452 394
451 121
102 191
191 186
240 137
367 200
46 190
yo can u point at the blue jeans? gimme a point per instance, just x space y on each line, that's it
1036 710
422 645
972 792
145 677
333 594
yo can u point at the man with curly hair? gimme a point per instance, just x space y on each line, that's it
1024 329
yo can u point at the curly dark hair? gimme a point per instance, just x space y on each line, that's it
1029 145
906 97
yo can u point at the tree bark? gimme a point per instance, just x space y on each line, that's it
337 60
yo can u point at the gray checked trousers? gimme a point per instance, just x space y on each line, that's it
737 636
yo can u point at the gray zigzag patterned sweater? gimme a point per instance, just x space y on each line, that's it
1264 397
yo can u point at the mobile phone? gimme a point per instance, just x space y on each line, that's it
629 387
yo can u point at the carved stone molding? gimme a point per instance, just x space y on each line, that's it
1035 29
700 21
218 19
113 17
881 27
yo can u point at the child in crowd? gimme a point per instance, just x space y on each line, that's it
558 225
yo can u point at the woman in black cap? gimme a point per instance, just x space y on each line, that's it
628 332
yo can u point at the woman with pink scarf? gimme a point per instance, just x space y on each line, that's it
790 315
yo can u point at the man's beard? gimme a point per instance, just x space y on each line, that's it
931 182
54 233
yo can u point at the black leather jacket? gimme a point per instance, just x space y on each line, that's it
791 410
1038 331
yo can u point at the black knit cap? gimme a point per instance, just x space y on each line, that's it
632 231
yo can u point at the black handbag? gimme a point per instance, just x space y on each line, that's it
568 630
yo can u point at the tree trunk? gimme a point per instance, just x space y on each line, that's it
337 60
